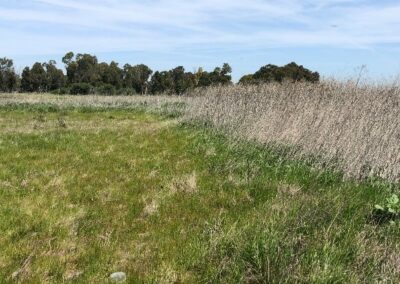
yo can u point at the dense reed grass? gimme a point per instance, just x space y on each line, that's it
347 125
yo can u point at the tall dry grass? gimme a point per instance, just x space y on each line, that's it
354 127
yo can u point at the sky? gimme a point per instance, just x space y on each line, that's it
333 37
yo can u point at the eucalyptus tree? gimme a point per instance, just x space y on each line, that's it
137 77
8 77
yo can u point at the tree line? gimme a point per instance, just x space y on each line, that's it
84 74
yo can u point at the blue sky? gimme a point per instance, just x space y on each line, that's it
334 37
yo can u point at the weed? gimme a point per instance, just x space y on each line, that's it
389 211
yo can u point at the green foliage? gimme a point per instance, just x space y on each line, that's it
80 89
8 77
273 73
177 81
110 74
55 77
26 81
106 89
389 211
67 59
162 82
126 92
42 77
86 68
247 79
220 76
38 78
137 77
61 91
183 81
64 91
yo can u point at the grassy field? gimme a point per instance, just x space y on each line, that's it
86 193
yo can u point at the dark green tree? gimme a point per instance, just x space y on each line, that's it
269 73
272 73
55 77
174 82
182 81
296 72
68 58
137 77
83 68
87 71
247 80
71 66
8 77
110 74
26 81
220 76
162 82
38 78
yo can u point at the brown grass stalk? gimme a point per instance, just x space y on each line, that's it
357 126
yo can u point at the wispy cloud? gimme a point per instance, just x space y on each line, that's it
56 26
177 23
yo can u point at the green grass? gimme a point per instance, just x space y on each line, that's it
87 193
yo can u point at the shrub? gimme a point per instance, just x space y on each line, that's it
61 91
64 91
80 89
127 92
106 89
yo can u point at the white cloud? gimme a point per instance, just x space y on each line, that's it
123 25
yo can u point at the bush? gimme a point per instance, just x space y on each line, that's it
106 89
127 92
61 91
64 91
80 89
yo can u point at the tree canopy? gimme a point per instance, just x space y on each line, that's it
8 77
84 74
272 73
42 77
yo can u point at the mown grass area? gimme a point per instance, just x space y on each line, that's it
87 193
